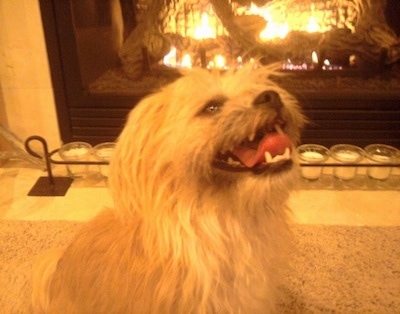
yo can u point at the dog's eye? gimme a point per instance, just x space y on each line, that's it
213 106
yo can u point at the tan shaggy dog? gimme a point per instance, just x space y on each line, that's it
200 177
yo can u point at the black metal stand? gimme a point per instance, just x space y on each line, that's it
50 185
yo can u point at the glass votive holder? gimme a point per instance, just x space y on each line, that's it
312 154
103 152
380 154
76 152
346 154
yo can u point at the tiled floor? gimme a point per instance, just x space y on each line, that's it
325 202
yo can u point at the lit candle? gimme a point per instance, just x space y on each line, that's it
105 155
76 151
311 173
379 173
346 173
312 154
381 154
104 152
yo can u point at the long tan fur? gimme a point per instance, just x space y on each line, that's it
184 236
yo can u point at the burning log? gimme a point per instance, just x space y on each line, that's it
373 29
239 34
371 37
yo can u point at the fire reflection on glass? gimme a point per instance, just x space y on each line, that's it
158 37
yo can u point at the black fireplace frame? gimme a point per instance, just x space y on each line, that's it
358 118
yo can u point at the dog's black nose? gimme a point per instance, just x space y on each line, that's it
270 99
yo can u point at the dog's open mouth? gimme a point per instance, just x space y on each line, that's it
263 151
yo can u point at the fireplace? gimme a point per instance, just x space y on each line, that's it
341 57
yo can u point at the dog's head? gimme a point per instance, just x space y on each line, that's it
210 127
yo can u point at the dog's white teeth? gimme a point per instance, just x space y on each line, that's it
287 153
268 157
233 162
277 158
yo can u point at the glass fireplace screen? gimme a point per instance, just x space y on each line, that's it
127 46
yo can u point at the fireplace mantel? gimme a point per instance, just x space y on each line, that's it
342 108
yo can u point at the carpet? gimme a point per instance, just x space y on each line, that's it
335 269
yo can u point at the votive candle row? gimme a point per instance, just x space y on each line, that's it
347 155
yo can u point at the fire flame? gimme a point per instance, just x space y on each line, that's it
280 22
314 57
219 61
312 26
186 61
204 30
171 59
274 30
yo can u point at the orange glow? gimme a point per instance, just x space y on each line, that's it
280 21
314 57
186 61
274 30
171 60
219 61
312 26
204 30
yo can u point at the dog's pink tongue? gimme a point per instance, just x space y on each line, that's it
275 144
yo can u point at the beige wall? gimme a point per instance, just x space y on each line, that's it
26 95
